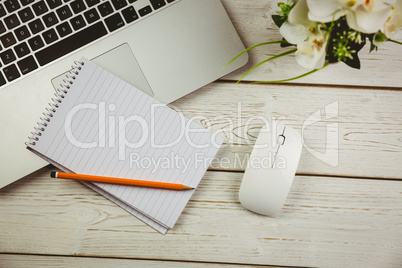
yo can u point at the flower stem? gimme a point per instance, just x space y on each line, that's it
394 41
294 78
269 59
260 44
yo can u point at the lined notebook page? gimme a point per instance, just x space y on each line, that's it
105 126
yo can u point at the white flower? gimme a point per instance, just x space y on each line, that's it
394 21
310 39
311 53
367 16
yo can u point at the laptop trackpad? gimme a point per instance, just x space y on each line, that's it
121 62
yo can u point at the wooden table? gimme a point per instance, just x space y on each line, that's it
344 209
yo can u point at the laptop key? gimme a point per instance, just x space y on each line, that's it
157 4
119 4
129 14
53 3
64 12
36 26
50 36
77 22
7 56
11 5
2 80
77 6
145 10
21 50
8 40
12 21
50 19
26 14
22 33
91 15
2 27
64 29
2 11
105 9
26 2
27 65
114 22
71 43
40 8
11 72
36 43
91 3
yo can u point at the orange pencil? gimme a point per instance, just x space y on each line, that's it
141 183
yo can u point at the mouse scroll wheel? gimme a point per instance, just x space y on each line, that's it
281 139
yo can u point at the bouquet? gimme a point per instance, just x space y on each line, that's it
322 32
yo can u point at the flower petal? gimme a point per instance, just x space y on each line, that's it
294 33
312 52
324 10
310 61
298 14
395 22
367 22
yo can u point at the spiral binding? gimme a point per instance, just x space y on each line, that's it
59 96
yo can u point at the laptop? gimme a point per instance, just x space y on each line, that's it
166 48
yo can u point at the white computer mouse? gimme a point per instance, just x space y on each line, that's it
271 169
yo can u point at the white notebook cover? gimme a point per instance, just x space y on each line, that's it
104 126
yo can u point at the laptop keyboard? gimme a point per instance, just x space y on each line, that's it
34 33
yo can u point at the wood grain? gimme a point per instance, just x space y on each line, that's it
252 20
343 215
24 261
334 221
368 122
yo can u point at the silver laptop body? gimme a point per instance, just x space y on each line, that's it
167 48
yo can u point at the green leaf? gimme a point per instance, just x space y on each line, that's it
354 63
394 41
260 44
269 59
373 47
285 9
278 20
293 78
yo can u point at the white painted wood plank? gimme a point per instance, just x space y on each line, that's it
24 261
326 222
369 125
252 20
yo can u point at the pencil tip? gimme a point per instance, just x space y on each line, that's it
53 174
187 187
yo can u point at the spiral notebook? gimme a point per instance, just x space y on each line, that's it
100 125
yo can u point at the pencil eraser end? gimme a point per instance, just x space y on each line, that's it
53 174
